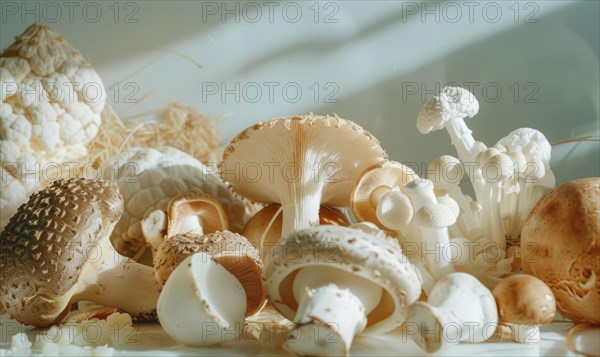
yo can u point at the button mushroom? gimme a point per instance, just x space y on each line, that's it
299 162
263 229
524 302
372 185
334 282
560 244
56 251
458 309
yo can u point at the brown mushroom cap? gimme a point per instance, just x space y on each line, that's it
209 210
256 226
47 243
560 244
375 257
372 184
302 151
524 299
229 249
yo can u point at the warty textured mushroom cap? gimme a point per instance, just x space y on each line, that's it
46 246
150 177
377 258
524 299
372 184
302 150
452 102
229 249
560 245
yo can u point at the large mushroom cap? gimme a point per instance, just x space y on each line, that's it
48 242
524 299
229 249
560 244
377 258
209 211
452 102
372 184
273 161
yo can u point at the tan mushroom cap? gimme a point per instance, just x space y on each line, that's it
256 226
229 249
377 258
47 243
372 184
209 210
524 299
560 245
276 160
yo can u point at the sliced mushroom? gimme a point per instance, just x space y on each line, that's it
458 308
263 230
373 184
524 302
56 251
334 282
300 162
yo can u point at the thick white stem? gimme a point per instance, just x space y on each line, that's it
189 224
301 214
462 139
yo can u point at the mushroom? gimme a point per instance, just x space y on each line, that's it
448 110
263 229
148 179
560 242
56 251
524 302
335 282
299 162
372 185
432 217
459 308
202 303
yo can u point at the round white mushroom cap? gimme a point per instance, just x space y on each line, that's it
377 258
452 102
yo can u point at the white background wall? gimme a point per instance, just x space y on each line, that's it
530 64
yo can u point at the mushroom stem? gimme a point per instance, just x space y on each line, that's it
302 213
462 139
433 240
330 315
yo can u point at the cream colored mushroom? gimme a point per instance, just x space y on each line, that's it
335 282
524 302
458 309
299 162
56 251
263 229
372 186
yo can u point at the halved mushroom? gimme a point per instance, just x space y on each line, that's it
56 251
335 282
263 230
373 184
458 308
300 162
524 302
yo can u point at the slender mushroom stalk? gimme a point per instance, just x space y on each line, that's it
458 308
301 163
432 219
56 251
364 283
524 302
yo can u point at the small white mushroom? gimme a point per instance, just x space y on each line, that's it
334 282
202 303
394 210
458 309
